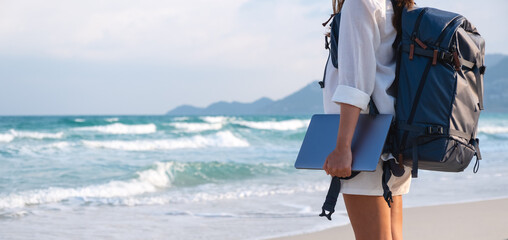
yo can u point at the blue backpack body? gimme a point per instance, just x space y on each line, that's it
439 92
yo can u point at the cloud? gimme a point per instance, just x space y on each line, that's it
211 50
232 32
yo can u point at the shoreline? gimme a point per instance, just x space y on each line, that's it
483 219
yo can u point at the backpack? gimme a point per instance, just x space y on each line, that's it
439 95
439 92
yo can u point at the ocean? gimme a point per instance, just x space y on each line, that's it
189 177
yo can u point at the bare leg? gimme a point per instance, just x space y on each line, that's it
396 214
370 217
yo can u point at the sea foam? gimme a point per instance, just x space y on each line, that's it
215 119
214 193
493 129
119 128
147 181
6 137
111 119
196 127
286 125
161 176
27 134
220 139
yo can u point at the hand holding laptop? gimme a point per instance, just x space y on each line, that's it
366 146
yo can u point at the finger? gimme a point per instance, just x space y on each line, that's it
342 173
336 173
330 169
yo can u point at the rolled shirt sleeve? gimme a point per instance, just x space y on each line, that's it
359 38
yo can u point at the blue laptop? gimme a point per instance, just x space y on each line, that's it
321 138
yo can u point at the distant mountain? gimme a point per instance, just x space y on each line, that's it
496 85
223 108
309 100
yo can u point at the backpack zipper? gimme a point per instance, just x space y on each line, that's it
452 49
442 35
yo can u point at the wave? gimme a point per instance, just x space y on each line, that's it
79 120
111 119
493 129
7 137
219 193
58 145
40 149
215 119
285 125
147 181
180 118
220 139
197 127
162 175
119 128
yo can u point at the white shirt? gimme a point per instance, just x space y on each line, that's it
366 59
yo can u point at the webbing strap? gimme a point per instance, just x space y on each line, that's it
479 87
332 195
467 63
372 108
476 145
387 174
414 171
441 55
331 199
427 130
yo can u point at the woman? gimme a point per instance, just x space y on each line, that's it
366 68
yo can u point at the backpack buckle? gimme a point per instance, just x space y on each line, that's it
434 130
446 57
482 69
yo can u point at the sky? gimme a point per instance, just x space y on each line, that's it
96 57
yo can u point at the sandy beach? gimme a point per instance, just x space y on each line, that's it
474 220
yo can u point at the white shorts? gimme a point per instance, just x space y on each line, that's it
369 183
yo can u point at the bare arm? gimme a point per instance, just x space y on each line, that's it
338 163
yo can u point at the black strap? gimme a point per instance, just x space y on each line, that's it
476 145
396 168
479 87
414 171
332 195
331 199
387 174
372 108
434 130
322 83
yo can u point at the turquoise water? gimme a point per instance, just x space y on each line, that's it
215 177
